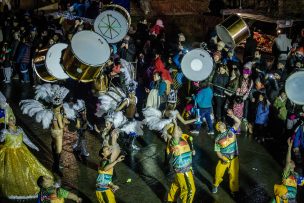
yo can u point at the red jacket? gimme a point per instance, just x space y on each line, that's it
160 67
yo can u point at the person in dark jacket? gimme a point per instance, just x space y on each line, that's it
250 48
220 79
127 49
24 59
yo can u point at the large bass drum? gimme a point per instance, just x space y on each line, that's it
197 65
233 30
113 23
47 63
85 56
294 87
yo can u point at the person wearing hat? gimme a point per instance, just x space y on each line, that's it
129 107
57 127
82 125
19 168
180 155
171 112
226 148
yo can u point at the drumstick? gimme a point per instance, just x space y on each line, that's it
116 91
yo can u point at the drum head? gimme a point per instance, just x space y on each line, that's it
294 87
90 48
52 61
112 25
197 65
233 30
225 36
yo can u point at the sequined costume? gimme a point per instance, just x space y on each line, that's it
19 168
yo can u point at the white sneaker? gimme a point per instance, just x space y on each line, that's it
194 132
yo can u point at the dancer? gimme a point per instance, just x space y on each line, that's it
162 121
180 153
226 149
82 125
54 95
287 191
110 134
50 193
129 105
104 185
19 168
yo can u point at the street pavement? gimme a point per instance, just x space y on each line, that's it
260 165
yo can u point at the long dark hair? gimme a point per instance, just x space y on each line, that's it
264 102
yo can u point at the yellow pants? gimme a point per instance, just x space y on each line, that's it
233 171
183 183
105 197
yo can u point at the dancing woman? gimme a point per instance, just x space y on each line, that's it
19 168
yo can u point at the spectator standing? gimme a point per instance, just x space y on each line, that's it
24 59
220 80
203 101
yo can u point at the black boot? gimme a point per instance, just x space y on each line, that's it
56 165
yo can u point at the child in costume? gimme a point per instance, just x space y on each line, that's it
50 193
104 184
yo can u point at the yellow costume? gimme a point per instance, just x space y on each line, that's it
182 163
104 193
19 169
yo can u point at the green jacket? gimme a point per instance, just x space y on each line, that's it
280 106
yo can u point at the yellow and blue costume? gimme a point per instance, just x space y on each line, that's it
104 193
181 159
226 143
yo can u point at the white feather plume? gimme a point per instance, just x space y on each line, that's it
153 119
119 119
69 111
33 107
44 92
133 127
128 71
79 105
47 119
30 105
109 102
